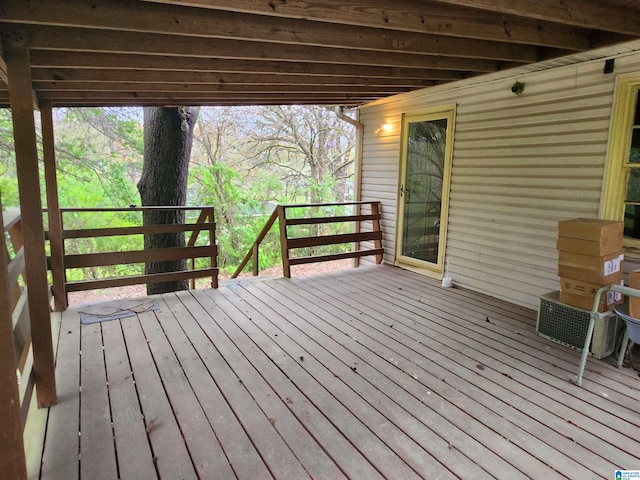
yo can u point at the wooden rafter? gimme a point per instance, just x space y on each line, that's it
158 52
413 16
574 13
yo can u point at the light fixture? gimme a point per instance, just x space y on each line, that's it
517 88
384 128
609 65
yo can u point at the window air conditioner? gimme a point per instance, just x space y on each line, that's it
568 325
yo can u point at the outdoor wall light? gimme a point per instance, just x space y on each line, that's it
384 128
517 88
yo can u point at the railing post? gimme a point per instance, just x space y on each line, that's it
256 262
202 217
12 458
284 245
24 134
358 228
375 210
214 247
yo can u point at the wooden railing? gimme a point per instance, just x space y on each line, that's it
191 251
17 379
287 243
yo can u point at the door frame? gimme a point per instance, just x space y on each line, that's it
447 112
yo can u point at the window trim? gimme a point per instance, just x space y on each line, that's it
617 169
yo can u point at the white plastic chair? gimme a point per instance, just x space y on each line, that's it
632 332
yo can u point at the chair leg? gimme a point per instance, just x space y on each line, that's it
585 350
623 347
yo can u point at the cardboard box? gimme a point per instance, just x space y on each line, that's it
607 234
607 301
589 268
580 287
590 247
585 275
634 303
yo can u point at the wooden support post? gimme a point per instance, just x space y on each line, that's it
256 259
284 242
24 133
355 262
12 458
202 217
53 208
212 242
375 210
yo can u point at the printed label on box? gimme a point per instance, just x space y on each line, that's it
613 266
613 297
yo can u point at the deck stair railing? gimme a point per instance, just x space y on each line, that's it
190 252
17 379
367 213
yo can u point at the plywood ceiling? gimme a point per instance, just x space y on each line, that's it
236 52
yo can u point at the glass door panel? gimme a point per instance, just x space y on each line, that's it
424 188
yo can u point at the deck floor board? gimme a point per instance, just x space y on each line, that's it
170 452
270 437
301 371
135 459
193 352
60 456
434 432
301 403
417 362
447 361
97 450
364 374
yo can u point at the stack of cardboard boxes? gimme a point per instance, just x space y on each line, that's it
590 256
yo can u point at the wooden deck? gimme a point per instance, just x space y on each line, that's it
364 374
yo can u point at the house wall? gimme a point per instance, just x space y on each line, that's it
521 163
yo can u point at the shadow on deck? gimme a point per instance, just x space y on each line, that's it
362 374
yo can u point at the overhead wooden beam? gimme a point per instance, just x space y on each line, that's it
47 79
597 15
199 98
230 90
21 99
203 23
70 75
85 40
51 59
202 91
229 102
411 16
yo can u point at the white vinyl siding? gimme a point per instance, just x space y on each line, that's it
521 163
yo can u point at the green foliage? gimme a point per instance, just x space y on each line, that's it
8 178
244 162
240 213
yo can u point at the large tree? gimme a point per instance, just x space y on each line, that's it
312 147
168 136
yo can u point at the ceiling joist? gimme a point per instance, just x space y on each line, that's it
154 52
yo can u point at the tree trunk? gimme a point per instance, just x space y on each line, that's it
168 136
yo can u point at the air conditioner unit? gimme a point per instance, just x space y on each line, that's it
568 326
